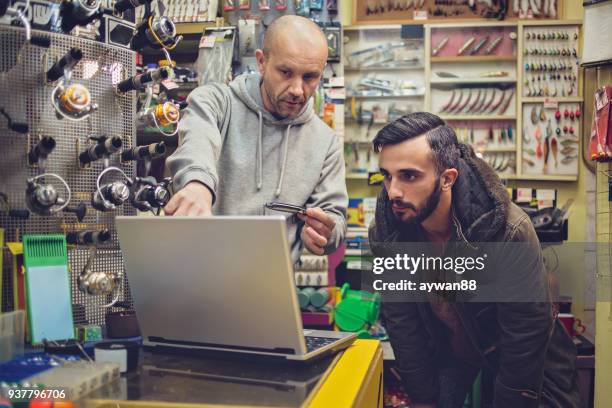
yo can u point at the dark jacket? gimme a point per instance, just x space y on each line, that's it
521 343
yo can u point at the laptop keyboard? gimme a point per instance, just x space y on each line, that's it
313 343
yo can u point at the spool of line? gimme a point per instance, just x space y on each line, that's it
304 297
320 297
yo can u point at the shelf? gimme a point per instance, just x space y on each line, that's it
475 23
353 121
542 99
550 22
376 69
478 117
357 176
357 229
359 142
511 149
541 177
478 80
365 27
385 96
474 58
193 28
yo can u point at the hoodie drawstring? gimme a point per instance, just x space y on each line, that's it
259 158
284 162
259 170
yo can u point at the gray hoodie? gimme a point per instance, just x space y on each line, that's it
247 157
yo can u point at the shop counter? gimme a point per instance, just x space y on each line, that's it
352 378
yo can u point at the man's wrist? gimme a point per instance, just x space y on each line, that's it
209 192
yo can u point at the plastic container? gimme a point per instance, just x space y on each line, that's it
12 330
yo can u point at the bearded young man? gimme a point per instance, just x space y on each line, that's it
258 140
437 191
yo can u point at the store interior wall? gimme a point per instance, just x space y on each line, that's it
576 276
590 220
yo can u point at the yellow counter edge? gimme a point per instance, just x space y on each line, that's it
356 380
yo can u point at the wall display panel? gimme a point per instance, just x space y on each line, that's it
27 97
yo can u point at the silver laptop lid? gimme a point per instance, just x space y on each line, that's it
221 281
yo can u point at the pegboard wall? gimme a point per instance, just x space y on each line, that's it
26 97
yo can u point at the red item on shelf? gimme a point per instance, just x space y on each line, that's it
600 147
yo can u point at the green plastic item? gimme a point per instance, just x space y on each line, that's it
357 311
47 280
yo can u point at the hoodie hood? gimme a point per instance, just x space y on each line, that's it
248 89
480 200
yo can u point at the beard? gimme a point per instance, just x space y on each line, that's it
431 203
282 111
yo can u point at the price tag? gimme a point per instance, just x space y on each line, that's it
207 41
524 195
169 84
419 15
545 197
551 104
601 99
336 82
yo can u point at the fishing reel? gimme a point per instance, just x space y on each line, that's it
79 13
43 198
149 195
41 150
144 153
102 149
112 194
71 101
98 282
161 115
157 33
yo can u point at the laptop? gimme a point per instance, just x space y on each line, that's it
222 283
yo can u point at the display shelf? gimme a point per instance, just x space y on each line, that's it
474 58
193 28
450 81
380 69
510 149
357 176
478 117
370 27
550 22
539 177
386 96
358 142
357 229
542 99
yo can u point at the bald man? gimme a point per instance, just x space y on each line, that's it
258 140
